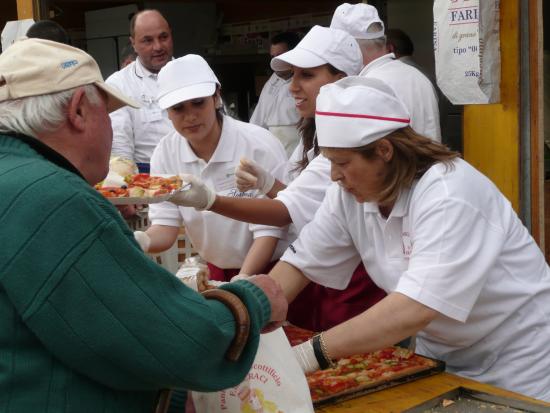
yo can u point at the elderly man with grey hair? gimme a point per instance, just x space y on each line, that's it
89 323
411 86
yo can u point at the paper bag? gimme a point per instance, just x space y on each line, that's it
274 384
467 50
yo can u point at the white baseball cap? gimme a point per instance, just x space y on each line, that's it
186 78
33 67
356 111
356 19
320 46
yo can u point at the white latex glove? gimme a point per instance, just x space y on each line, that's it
306 357
113 179
240 276
249 175
198 196
143 240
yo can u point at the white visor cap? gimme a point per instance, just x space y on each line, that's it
320 46
356 111
186 78
356 19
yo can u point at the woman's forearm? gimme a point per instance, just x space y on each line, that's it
290 278
391 320
162 237
259 255
253 210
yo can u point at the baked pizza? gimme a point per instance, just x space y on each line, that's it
112 191
365 371
141 186
359 373
147 185
297 335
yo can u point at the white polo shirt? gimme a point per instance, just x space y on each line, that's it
413 88
305 192
222 241
454 243
276 111
136 132
276 106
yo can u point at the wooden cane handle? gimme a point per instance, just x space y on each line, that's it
164 401
242 320
242 330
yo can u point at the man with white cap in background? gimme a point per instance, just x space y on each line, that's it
409 84
276 109
89 323
460 269
136 132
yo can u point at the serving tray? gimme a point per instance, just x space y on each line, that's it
134 200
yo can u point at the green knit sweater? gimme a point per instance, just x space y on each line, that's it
88 323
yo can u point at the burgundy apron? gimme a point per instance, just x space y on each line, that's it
319 308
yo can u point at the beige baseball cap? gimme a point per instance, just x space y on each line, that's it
32 67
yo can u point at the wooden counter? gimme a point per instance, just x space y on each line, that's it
405 396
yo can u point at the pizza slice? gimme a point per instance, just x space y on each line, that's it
297 335
136 192
113 191
359 373
141 186
366 371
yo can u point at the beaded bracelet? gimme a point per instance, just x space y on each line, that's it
321 353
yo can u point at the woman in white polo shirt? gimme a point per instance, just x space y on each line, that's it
208 145
460 269
323 56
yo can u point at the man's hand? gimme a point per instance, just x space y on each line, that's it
198 196
249 175
274 293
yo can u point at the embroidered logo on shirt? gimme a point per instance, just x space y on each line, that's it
407 244
235 193
148 100
291 247
68 64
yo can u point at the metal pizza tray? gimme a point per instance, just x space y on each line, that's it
138 200
429 371
465 400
